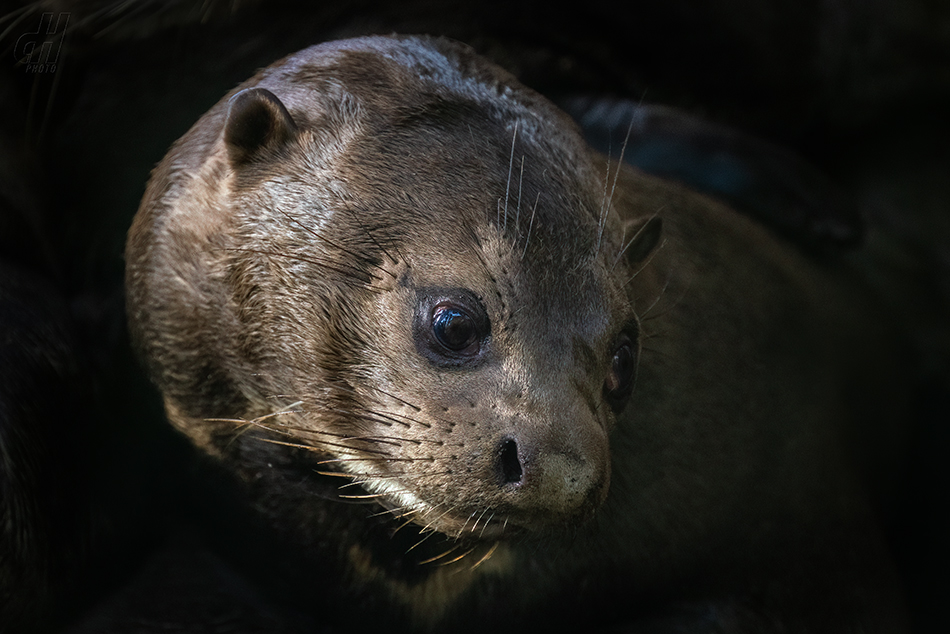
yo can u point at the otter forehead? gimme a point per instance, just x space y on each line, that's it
430 59
424 120
397 73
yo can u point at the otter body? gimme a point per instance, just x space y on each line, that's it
383 271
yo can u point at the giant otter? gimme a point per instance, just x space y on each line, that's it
382 270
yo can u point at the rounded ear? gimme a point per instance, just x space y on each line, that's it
257 123
646 234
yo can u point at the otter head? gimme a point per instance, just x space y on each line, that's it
388 255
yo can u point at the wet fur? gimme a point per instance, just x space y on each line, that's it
279 339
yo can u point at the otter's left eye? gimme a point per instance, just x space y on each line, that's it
454 328
619 381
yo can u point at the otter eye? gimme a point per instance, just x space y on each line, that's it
454 328
619 381
451 327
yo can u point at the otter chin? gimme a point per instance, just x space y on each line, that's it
384 271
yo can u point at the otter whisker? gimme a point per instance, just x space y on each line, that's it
605 206
354 483
464 524
420 542
382 416
414 513
242 429
397 513
645 314
396 440
400 516
377 417
648 317
438 557
337 474
527 237
383 440
286 444
363 479
369 440
367 496
288 409
511 162
359 483
486 556
254 421
341 460
600 212
429 524
325 445
629 242
518 209
663 312
239 422
487 522
460 557
389 492
392 396
412 421
372 416
475 525
286 429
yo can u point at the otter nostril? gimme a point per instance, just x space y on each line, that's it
509 462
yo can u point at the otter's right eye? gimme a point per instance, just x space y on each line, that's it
451 327
455 329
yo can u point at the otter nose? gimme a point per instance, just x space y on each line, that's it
509 467
548 481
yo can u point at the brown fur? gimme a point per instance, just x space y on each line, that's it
282 260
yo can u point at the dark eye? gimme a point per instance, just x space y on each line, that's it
451 327
454 328
619 381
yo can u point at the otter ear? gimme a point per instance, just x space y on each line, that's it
645 234
257 122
